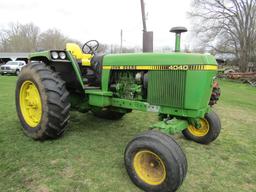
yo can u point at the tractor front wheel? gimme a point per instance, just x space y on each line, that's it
208 131
41 102
155 162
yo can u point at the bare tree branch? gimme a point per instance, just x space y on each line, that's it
227 26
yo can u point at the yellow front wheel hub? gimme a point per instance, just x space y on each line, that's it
30 103
149 167
202 131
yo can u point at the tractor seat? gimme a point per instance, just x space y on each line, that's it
78 54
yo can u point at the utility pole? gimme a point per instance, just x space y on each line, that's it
143 15
147 35
111 48
121 43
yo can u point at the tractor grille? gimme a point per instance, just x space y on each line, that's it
167 88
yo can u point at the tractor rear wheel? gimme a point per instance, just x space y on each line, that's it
155 162
42 102
107 114
208 132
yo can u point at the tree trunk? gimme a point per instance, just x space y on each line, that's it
243 60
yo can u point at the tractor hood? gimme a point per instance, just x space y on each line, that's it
146 59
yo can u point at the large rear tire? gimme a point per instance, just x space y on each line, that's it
42 102
208 132
155 162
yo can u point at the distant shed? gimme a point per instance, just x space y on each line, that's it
13 56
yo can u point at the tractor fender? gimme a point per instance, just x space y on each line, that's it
68 69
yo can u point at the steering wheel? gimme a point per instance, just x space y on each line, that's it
91 46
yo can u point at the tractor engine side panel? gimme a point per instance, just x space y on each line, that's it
128 84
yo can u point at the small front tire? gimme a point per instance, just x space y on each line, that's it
208 132
155 162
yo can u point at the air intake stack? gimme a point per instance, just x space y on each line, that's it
178 31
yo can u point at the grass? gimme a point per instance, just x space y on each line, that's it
90 155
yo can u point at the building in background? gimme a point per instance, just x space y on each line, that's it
12 56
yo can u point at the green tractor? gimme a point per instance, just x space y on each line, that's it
177 86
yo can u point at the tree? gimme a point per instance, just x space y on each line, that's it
19 38
227 26
27 38
52 39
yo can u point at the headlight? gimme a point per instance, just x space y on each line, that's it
54 55
62 55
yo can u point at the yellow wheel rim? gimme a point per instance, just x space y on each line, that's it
149 167
202 131
30 103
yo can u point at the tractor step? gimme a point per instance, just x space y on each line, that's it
91 88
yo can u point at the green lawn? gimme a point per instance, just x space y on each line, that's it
90 155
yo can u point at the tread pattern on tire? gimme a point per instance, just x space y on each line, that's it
215 128
55 101
169 141
172 147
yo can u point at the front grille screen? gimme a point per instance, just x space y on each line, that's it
167 88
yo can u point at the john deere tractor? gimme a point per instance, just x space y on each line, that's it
176 86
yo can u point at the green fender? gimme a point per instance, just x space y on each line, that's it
45 56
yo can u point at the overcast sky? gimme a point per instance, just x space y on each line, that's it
101 19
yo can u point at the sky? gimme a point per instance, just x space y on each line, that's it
102 19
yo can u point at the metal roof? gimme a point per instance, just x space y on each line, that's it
14 55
